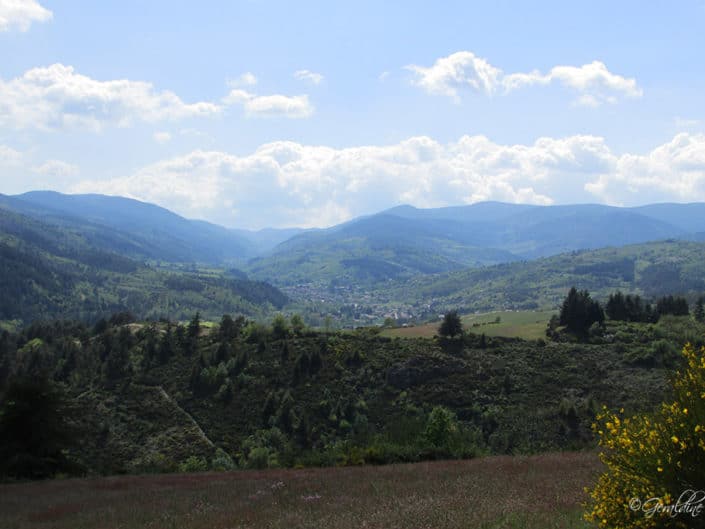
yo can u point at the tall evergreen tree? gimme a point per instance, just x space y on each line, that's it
700 310
579 311
34 431
451 325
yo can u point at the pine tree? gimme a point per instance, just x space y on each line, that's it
579 311
34 431
451 325
700 310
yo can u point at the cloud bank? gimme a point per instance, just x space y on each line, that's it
286 183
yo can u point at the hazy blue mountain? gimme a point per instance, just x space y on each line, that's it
406 240
157 233
377 248
266 239
399 242
688 217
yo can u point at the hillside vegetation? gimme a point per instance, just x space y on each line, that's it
47 271
405 241
650 269
159 397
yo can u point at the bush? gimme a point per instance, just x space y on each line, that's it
194 464
222 461
652 459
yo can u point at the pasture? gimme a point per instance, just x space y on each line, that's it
541 492
529 325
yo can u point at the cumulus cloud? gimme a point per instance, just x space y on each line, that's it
270 105
286 183
460 70
308 76
463 70
20 14
57 97
674 171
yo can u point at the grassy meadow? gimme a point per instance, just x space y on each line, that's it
541 492
525 324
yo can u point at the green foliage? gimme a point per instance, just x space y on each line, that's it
336 398
194 464
280 327
579 311
629 308
263 449
451 325
35 435
441 428
654 457
542 283
221 461
297 324
675 305
699 313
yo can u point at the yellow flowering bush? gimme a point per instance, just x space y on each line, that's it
652 460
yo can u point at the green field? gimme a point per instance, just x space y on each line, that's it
527 324
537 492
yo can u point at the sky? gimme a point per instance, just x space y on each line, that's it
257 113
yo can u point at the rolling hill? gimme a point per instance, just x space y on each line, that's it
144 231
405 241
649 269
52 271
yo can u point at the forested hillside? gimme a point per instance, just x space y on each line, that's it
650 269
158 397
48 271
405 241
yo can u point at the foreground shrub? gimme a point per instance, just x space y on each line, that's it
194 464
655 463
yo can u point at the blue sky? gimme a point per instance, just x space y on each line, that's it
259 113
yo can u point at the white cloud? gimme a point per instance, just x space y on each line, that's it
594 82
459 70
674 171
20 14
308 76
286 183
270 105
57 168
57 97
9 156
463 70
162 137
246 79
22 173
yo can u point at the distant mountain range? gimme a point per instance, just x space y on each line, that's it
66 270
400 242
405 241
144 231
